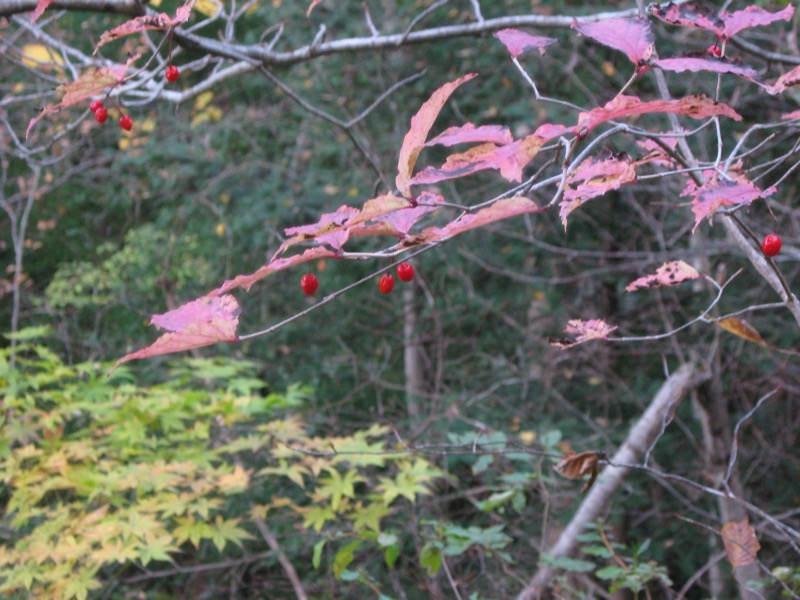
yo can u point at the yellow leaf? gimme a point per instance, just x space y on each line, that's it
39 56
210 8
203 100
743 329
220 229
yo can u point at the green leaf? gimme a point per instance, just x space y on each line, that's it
392 552
610 572
225 530
344 557
29 333
157 549
317 559
431 557
495 500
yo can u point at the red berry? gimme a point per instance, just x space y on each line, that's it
309 283
95 104
101 114
771 244
126 122
386 284
172 73
405 271
715 50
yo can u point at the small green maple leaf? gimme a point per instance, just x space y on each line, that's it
157 548
370 516
336 487
317 516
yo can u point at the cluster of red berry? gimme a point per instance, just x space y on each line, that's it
125 122
405 272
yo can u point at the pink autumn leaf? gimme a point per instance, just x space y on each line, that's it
715 194
697 107
509 159
795 114
517 42
330 229
583 331
594 177
275 265
656 153
469 134
158 22
715 65
633 37
90 83
402 220
41 6
202 322
724 25
505 208
421 124
688 15
787 80
752 16
670 273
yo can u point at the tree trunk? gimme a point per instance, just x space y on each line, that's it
640 438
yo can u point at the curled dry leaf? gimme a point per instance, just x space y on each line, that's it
577 466
161 21
741 543
743 329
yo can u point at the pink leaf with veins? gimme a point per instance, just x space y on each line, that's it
202 322
697 107
583 331
633 37
90 83
715 65
517 42
146 23
594 177
421 124
502 209
670 273
716 194
41 6
275 265
467 134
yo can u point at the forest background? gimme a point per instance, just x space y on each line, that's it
425 442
